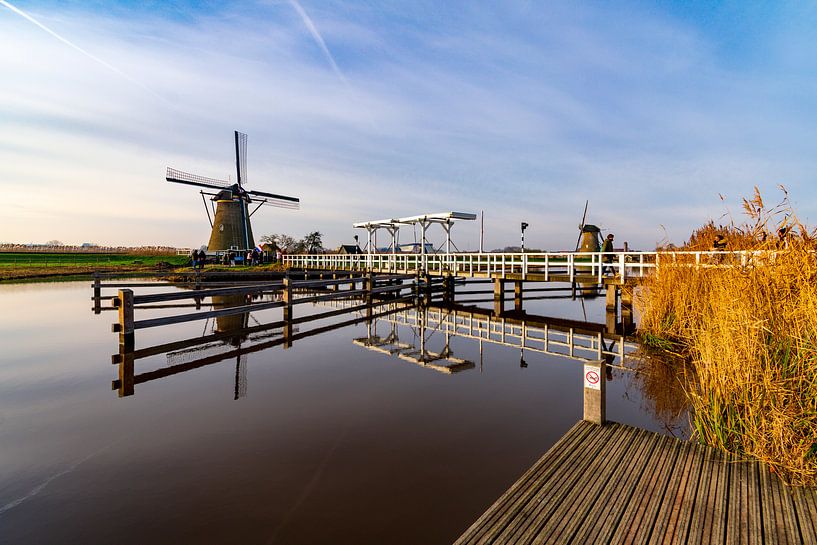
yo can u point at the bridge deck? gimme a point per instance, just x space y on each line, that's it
617 484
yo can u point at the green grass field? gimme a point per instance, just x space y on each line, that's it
29 260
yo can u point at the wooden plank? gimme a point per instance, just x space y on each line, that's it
736 500
772 532
695 505
181 318
720 505
755 518
785 510
616 497
806 511
641 513
584 485
192 294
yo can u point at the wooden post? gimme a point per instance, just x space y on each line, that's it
595 406
499 296
97 293
517 295
428 291
612 293
197 274
287 296
125 326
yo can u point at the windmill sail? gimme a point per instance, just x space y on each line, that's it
180 177
280 201
241 157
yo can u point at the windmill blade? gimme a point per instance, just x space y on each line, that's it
241 157
282 201
278 203
180 177
584 217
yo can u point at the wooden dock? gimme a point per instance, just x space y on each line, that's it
617 484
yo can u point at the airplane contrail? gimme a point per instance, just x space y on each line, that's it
318 38
91 56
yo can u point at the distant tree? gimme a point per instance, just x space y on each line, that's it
283 242
55 242
269 239
313 242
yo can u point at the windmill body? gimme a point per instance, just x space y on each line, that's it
231 223
231 227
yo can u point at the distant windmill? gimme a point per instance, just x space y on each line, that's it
231 227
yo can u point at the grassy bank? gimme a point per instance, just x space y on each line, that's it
16 266
42 271
31 260
748 337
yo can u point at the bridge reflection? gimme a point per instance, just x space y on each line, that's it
580 341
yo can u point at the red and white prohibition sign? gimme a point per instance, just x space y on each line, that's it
591 378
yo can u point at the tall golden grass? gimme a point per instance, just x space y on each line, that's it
748 331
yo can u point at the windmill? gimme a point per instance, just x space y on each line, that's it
230 224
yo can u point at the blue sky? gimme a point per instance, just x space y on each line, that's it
368 110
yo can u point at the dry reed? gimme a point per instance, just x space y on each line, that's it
748 330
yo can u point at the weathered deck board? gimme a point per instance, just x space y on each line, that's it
616 484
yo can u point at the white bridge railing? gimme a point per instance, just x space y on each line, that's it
548 266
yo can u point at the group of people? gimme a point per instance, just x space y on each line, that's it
199 257
783 235
250 257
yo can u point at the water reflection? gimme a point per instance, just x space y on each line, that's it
400 328
231 337
329 431
660 380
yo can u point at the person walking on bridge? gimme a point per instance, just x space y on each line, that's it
607 253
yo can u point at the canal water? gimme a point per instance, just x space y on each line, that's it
328 441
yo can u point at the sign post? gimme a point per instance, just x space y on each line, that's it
595 391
